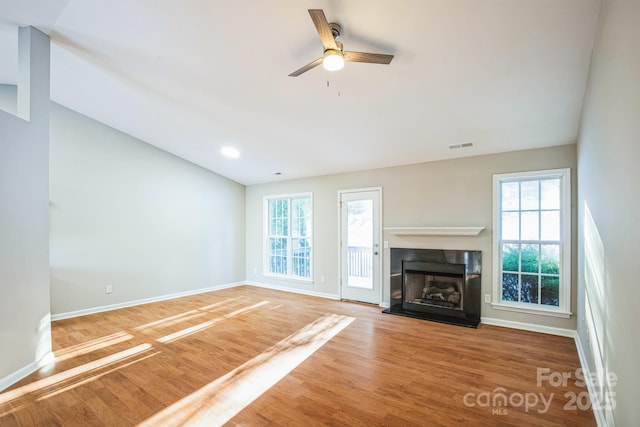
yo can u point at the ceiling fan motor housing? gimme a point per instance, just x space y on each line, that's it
338 45
336 29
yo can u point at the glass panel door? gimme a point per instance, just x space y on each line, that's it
360 246
359 241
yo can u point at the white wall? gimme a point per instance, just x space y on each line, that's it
25 335
444 193
126 214
609 206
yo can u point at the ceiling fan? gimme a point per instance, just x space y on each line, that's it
334 57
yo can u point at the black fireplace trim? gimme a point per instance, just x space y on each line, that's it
450 320
472 260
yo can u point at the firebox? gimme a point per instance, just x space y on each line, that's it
434 284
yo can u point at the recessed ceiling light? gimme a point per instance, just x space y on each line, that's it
230 152
277 173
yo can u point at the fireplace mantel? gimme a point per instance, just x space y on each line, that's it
434 231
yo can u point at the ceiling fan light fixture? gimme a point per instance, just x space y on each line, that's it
333 60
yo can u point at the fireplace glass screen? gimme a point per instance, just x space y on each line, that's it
442 290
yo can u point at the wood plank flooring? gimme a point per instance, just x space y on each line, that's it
125 367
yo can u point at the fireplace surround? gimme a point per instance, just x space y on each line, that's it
436 284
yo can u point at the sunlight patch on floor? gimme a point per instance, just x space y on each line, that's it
200 326
161 322
220 400
94 377
218 304
79 347
68 374
91 346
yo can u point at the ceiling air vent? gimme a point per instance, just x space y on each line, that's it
465 145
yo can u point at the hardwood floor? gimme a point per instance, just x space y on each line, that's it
319 362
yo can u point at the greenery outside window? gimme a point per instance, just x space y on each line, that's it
532 242
288 236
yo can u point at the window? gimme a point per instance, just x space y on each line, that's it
532 242
288 231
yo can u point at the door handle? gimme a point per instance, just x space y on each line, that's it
375 253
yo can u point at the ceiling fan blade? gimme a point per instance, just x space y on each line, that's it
307 67
322 26
371 58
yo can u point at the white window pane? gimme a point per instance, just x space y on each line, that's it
529 195
530 226
360 227
285 226
550 194
301 216
296 220
283 208
550 225
510 257
550 259
550 291
510 226
301 258
529 259
510 287
529 288
278 256
510 196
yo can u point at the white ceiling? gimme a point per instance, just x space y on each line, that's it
191 77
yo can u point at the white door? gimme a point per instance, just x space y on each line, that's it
360 245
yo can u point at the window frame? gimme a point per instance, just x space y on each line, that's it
266 236
564 291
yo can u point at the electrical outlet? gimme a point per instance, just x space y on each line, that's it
108 289
321 279
487 298
386 244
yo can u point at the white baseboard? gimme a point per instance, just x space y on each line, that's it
125 304
293 290
100 309
529 327
599 414
21 373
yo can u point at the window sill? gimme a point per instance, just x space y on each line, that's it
308 281
538 311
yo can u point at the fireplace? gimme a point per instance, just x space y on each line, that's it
434 284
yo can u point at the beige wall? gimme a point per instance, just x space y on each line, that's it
609 206
126 214
8 98
25 334
444 193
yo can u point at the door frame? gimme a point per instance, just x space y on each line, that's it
380 237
